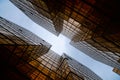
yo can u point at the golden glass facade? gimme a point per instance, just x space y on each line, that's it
116 70
90 14
80 70
79 20
95 22
49 66
18 40
18 45
86 18
40 19
29 58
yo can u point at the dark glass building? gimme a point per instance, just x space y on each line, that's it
92 25
24 56
18 44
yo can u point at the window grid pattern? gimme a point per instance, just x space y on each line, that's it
61 16
54 26
115 38
6 37
116 70
11 33
49 66
37 68
107 44
96 54
80 10
81 70
76 15
73 76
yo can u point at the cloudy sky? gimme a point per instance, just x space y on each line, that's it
60 44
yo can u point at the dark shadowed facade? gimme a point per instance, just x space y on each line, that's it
18 45
92 25
24 56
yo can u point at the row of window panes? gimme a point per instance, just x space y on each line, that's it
28 71
48 63
53 57
67 32
78 20
76 29
50 60
13 37
31 72
70 29
84 9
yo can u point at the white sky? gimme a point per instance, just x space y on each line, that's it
59 44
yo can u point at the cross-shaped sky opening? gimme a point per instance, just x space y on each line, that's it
59 44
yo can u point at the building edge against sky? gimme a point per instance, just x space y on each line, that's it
27 57
9 30
18 17
22 32
30 11
30 62
105 49
79 68
16 45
